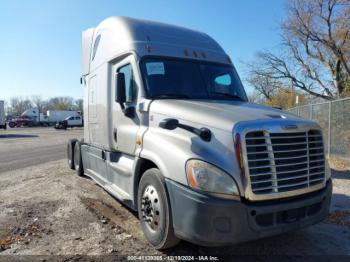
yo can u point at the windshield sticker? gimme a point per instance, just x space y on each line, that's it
155 68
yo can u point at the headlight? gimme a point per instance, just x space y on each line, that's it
206 177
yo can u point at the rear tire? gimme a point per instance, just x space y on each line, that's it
78 161
154 210
70 153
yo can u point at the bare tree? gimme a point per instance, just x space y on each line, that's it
79 104
264 85
18 105
256 97
39 103
314 55
61 103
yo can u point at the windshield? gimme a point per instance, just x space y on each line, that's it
171 78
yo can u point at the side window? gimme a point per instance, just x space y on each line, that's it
77 118
71 118
97 41
223 80
222 83
129 82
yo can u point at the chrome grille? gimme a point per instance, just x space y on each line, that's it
281 162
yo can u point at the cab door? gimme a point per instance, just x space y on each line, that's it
125 127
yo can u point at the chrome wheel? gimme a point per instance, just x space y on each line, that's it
154 210
151 208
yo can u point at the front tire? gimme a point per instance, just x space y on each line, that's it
154 210
78 161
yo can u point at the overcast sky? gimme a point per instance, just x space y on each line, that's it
41 46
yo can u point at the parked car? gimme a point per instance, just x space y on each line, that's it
169 132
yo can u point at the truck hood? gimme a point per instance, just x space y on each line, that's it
220 114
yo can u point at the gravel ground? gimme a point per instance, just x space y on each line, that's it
45 209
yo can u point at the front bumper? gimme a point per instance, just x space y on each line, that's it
210 221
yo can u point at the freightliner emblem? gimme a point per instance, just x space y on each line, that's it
288 127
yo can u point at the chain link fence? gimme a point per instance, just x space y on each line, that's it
334 118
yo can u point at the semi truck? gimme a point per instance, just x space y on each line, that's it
32 117
2 115
170 133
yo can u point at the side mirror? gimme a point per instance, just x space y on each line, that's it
120 96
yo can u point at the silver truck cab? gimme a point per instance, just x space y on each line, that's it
170 133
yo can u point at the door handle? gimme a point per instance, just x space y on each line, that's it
115 134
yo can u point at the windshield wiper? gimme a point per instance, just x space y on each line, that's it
171 96
230 95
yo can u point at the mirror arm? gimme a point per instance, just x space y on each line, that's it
203 133
171 124
129 111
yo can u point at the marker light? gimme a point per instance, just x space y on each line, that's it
238 150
